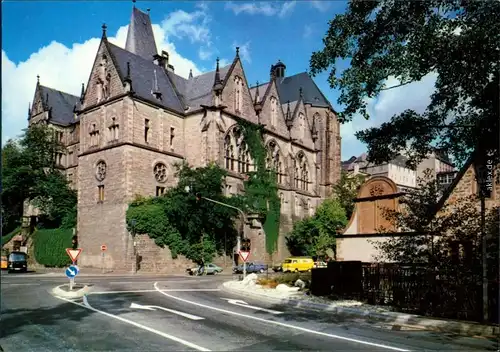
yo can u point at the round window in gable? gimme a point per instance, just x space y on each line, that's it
160 172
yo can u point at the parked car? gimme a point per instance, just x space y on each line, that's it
297 264
210 269
17 261
277 268
320 265
251 268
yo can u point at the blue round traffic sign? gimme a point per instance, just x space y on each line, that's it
72 271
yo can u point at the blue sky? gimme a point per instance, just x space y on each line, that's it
58 41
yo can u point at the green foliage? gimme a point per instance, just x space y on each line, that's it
29 173
346 190
410 40
261 190
316 235
50 247
189 227
6 238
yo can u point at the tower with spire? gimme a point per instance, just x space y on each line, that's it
138 115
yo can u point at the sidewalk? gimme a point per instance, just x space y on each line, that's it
358 310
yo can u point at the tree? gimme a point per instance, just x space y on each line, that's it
409 40
315 236
188 226
31 174
346 190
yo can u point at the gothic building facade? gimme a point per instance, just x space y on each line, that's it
136 117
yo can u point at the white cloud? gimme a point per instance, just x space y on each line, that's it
415 96
244 51
56 62
320 5
262 8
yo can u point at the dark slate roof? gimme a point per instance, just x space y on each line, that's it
288 90
442 156
140 38
142 73
62 105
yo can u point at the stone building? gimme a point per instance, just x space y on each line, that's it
136 117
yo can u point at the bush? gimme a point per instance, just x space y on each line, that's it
50 247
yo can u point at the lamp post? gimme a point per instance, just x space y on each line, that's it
134 264
189 189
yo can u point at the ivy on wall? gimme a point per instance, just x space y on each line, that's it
261 189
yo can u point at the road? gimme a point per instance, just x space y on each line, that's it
176 313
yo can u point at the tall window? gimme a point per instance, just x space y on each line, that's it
172 135
113 130
146 130
302 125
275 162
301 172
94 136
238 91
100 190
236 153
274 111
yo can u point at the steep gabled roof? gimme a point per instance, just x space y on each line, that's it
61 103
140 37
146 76
288 89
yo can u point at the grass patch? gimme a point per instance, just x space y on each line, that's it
287 279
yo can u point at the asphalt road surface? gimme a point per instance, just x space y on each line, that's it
177 313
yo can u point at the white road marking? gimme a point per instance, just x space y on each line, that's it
166 290
144 327
280 323
240 303
11 284
182 314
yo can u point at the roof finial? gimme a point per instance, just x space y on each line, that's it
190 73
104 27
133 1
237 51
300 92
148 10
128 69
37 79
82 93
257 97
217 82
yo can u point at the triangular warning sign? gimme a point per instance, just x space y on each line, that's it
244 255
73 253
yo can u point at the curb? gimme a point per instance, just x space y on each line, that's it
397 320
57 291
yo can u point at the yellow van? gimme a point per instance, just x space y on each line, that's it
296 264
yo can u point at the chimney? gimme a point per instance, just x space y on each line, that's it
162 60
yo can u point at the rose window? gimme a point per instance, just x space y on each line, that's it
160 172
100 173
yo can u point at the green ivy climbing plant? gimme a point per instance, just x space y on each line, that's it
261 189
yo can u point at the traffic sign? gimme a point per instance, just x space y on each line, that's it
244 255
72 271
73 253
103 247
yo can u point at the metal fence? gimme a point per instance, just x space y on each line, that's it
408 288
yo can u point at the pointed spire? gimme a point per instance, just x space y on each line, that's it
140 37
82 93
190 73
238 51
104 27
217 81
257 105
29 110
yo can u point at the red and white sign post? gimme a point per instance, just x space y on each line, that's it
244 256
73 255
103 261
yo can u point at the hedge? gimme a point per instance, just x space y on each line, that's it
50 247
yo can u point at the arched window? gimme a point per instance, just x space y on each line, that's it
236 153
301 172
275 162
238 91
274 111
